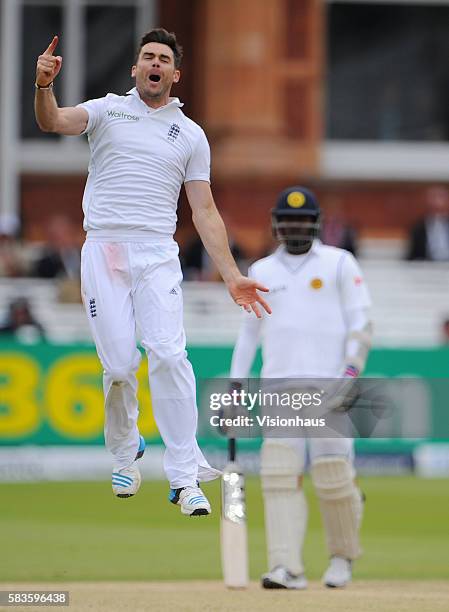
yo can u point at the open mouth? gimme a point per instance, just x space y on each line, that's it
155 78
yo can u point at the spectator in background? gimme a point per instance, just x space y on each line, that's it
445 333
197 265
429 238
21 323
334 229
12 260
61 257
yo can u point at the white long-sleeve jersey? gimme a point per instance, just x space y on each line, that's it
319 300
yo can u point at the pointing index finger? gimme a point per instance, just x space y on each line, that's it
52 46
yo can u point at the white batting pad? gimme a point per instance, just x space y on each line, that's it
285 505
340 503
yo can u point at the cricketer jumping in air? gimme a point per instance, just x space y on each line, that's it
143 148
320 328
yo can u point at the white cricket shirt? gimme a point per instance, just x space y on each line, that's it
139 159
312 297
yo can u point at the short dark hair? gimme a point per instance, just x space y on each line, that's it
160 35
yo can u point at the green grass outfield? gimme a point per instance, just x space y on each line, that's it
79 531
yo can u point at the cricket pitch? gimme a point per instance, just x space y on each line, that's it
211 596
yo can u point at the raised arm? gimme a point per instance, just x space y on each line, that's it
210 226
69 121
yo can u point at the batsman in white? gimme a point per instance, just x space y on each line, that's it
143 148
320 328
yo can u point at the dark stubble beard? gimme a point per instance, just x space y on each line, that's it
155 97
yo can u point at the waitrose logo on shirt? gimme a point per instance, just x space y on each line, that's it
121 115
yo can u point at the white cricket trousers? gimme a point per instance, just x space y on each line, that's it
130 287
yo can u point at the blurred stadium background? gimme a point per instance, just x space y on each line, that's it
348 98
